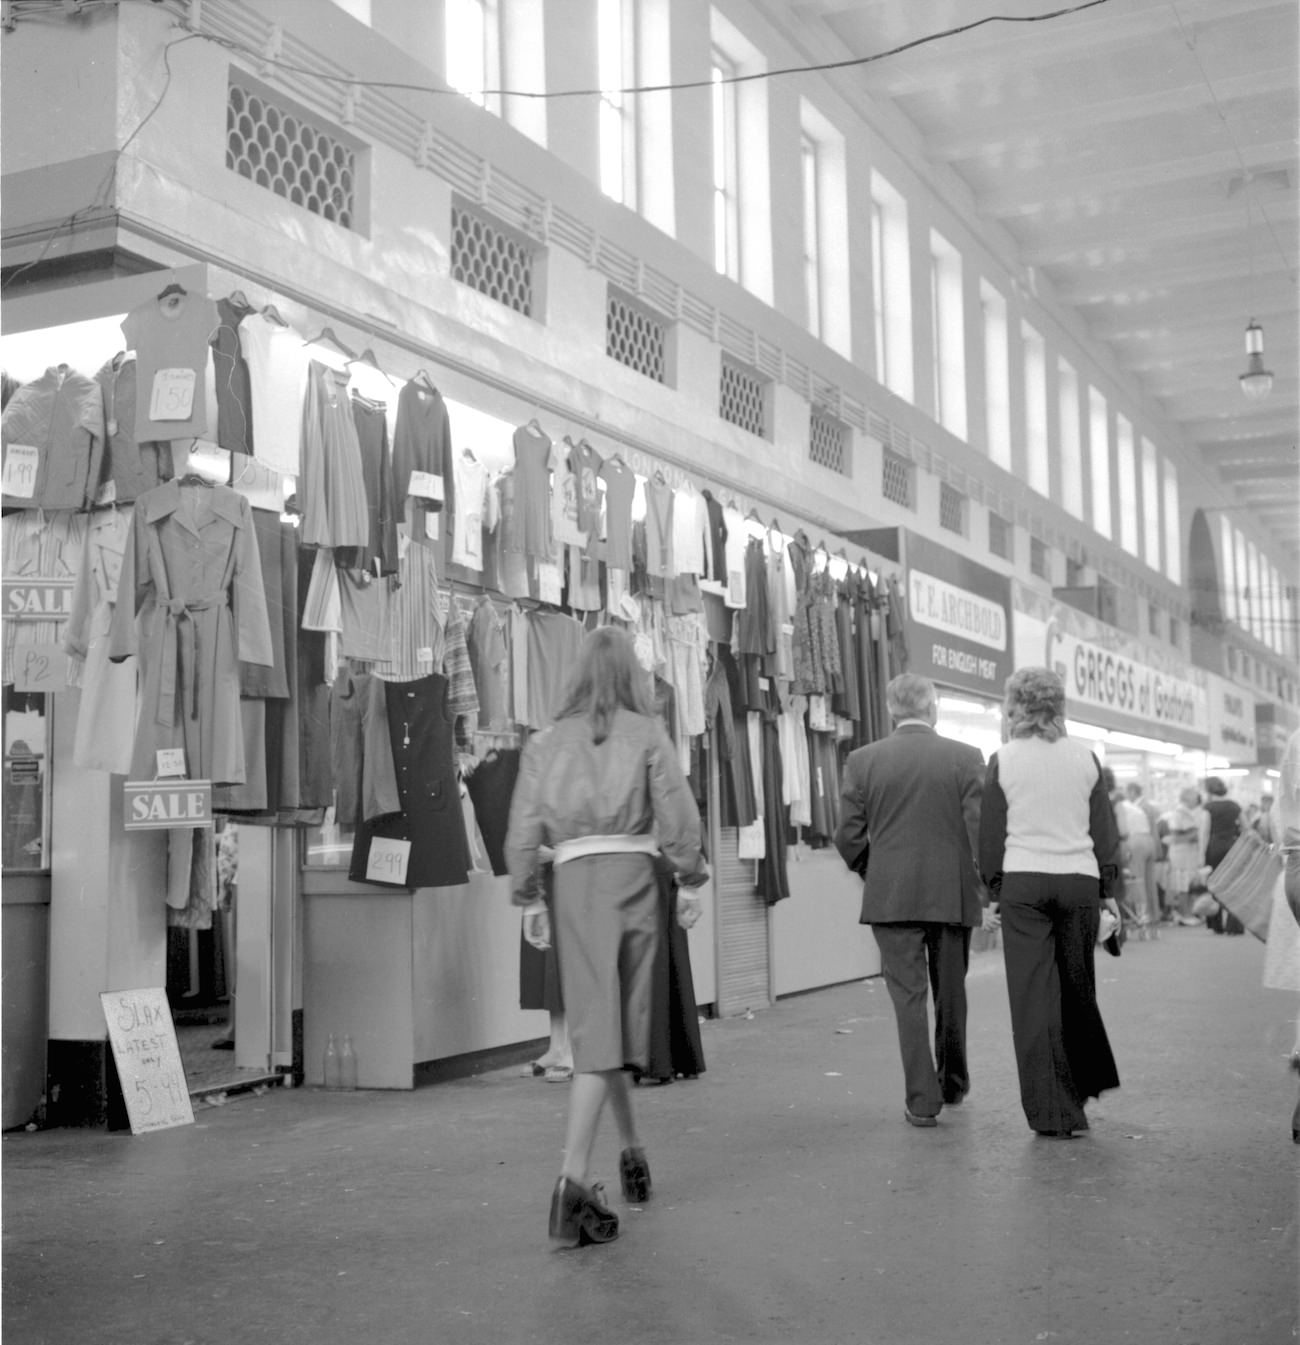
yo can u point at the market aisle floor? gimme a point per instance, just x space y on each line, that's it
791 1202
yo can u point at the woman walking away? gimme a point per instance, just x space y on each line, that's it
602 787
1186 853
1047 844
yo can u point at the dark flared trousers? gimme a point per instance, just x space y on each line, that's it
1049 933
919 960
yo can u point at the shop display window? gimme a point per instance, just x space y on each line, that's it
25 798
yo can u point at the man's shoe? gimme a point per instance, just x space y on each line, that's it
913 1119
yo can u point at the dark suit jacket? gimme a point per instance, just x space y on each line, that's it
910 809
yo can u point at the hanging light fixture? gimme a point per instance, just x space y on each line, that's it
1257 381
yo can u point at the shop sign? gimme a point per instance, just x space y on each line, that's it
154 805
1274 725
148 1060
1107 681
1232 722
957 619
37 599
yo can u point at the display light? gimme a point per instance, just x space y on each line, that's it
1256 382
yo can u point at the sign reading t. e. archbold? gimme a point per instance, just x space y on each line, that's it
149 805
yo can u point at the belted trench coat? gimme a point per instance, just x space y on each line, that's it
191 604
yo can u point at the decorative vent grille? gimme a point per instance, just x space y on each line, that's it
1175 631
1000 537
295 158
487 258
1037 557
1153 619
952 508
827 440
896 476
1073 573
633 336
741 398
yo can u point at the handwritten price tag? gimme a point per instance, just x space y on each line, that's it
21 462
387 860
172 397
171 762
40 667
426 486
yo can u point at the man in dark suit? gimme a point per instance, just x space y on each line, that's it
910 816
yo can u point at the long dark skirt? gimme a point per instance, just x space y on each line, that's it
675 1047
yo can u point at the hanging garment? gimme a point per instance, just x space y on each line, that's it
528 528
175 383
491 786
233 384
308 778
471 494
620 489
192 573
794 762
512 566
554 642
564 499
332 492
277 375
366 611
689 526
735 787
660 562
379 557
847 702
586 464
52 432
270 681
416 617
489 660
688 646
361 751
422 443
754 632
715 547
780 600
773 872
737 540
132 468
420 731
106 714
37 547
462 696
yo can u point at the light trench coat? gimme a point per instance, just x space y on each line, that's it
191 604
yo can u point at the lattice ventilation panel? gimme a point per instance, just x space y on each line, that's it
896 478
1037 558
741 398
633 337
488 259
1000 536
952 508
827 442
281 150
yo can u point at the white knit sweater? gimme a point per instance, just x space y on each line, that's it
1047 788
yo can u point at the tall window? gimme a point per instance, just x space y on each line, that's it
1173 527
726 201
1067 408
1274 609
1035 360
1228 575
473 50
891 265
1241 569
948 327
812 266
1099 461
1256 606
1126 467
616 60
997 376
1150 505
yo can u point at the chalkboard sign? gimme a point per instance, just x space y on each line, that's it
148 1060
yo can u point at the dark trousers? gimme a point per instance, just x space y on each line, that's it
919 960
1049 932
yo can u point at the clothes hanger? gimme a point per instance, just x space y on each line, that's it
752 517
327 334
272 312
422 376
173 289
238 299
367 357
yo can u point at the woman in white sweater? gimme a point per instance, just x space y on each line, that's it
1048 852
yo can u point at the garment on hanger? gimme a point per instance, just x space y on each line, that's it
422 443
332 490
175 381
689 529
233 383
132 468
416 617
52 437
462 695
620 489
736 541
365 779
491 786
715 549
379 556
106 713
471 478
564 498
420 731
366 612
528 528
490 664
277 375
191 570
660 561
554 643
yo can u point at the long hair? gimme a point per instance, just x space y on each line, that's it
607 679
1035 704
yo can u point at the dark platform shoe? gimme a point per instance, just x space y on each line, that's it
579 1214
634 1172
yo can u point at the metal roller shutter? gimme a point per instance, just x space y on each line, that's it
743 976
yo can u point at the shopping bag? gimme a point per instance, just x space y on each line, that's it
1244 881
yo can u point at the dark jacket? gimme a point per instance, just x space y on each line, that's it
909 822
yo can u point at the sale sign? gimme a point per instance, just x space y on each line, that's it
154 805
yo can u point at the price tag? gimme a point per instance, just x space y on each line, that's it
172 397
40 667
426 486
424 655
21 462
431 530
387 860
171 762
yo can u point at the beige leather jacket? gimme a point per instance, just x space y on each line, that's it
629 785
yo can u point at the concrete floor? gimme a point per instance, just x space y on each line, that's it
791 1202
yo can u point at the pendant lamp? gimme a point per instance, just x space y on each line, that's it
1257 381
